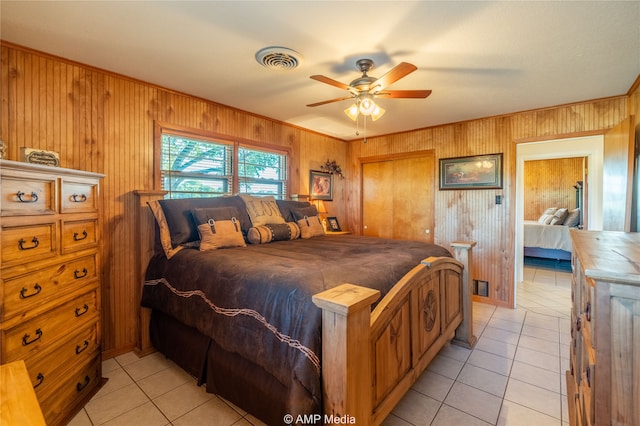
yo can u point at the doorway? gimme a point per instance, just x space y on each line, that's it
591 147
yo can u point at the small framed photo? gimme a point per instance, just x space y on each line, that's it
334 226
320 185
476 172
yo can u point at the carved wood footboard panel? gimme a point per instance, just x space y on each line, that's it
370 359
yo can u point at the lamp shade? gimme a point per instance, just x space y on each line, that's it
352 112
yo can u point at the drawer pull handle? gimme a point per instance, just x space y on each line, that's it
78 198
84 346
40 378
26 341
578 324
588 371
23 292
82 311
33 199
587 311
77 275
80 386
84 235
34 240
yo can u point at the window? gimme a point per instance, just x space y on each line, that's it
194 165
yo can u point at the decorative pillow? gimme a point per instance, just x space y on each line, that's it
165 236
288 206
262 210
182 227
274 232
219 234
546 217
559 217
309 222
310 226
203 214
573 218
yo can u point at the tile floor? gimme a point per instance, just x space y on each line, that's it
514 375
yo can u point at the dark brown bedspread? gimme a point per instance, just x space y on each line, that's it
255 301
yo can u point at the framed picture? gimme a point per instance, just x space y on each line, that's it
320 185
476 172
334 226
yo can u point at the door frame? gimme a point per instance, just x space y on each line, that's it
591 147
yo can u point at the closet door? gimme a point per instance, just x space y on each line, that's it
397 198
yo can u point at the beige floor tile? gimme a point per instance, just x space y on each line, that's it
179 401
81 419
541 333
456 352
501 335
538 359
540 345
416 408
213 412
514 327
496 347
482 379
144 415
112 405
486 360
147 366
118 378
164 381
513 414
449 416
536 376
475 402
534 397
433 385
445 366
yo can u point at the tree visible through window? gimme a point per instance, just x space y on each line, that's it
201 167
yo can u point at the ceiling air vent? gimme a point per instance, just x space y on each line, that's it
279 58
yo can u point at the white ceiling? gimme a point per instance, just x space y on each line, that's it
480 58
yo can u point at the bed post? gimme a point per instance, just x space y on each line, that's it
346 361
145 225
462 251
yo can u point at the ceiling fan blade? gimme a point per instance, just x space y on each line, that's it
393 75
330 101
403 94
331 82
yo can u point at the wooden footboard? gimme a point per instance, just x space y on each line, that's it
370 359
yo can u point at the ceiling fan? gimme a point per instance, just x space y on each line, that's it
365 88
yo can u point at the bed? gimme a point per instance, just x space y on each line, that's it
304 327
547 241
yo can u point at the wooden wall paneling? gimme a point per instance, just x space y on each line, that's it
549 183
103 122
617 169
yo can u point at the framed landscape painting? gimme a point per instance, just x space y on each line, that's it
475 172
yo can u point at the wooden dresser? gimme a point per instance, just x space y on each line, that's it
50 282
603 384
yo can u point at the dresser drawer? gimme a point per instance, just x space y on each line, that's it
78 234
32 196
23 244
26 339
78 196
47 370
26 292
78 384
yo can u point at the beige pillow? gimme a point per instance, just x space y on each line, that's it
218 234
310 226
546 217
262 210
559 217
165 236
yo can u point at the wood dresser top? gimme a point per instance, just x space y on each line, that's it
609 255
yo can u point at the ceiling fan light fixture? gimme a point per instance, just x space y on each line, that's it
377 112
352 112
367 105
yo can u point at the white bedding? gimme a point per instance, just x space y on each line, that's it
546 236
